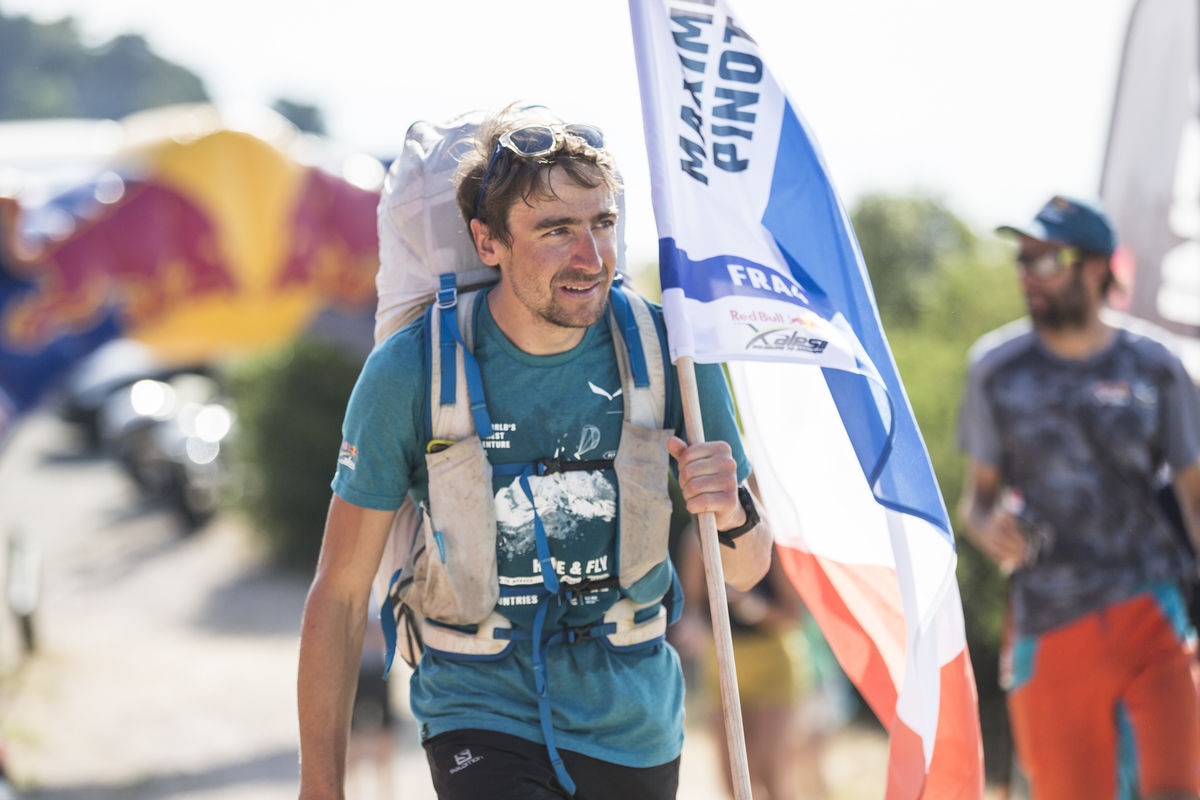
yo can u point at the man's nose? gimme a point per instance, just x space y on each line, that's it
588 250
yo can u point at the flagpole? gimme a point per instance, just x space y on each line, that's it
718 605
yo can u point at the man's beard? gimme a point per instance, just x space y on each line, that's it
1067 311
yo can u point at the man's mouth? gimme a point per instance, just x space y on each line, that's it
580 286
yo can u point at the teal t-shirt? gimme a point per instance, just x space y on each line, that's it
622 707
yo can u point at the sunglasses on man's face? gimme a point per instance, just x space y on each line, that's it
1047 265
534 141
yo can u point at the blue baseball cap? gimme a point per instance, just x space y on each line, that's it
1071 222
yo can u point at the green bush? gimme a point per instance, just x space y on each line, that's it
290 406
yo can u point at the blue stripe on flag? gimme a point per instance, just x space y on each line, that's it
709 279
811 227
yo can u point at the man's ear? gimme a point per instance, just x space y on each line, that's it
485 244
1098 267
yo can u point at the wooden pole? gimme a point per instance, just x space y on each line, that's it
718 605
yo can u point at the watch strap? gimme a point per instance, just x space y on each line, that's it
752 519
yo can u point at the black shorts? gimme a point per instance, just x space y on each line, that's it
470 764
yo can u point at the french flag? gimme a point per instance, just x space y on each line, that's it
760 268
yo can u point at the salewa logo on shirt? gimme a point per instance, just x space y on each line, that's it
348 455
613 396
464 759
608 396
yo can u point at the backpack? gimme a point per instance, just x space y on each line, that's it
422 235
428 265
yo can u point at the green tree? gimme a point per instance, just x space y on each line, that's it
46 72
903 241
125 75
307 118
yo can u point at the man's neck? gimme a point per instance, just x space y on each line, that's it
1078 343
530 333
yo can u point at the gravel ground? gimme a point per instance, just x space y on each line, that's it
165 665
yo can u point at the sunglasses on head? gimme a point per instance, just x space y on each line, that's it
1047 265
534 141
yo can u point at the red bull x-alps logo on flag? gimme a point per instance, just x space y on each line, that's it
760 268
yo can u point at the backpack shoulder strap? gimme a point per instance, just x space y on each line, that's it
642 361
457 406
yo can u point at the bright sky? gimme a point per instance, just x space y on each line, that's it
992 107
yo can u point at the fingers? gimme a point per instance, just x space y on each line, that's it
705 467
708 480
676 446
1006 542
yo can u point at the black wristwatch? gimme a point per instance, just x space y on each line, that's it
726 537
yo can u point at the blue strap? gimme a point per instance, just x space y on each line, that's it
673 599
427 396
451 339
447 303
387 621
541 681
549 576
629 332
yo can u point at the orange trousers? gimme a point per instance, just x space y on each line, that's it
1136 658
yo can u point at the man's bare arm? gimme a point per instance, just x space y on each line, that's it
331 639
994 531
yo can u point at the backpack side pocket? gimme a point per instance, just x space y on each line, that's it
642 466
459 570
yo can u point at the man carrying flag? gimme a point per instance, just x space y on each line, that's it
760 268
547 587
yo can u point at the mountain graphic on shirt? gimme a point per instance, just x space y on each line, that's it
566 502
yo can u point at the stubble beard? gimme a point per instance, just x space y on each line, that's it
556 314
1066 312
566 315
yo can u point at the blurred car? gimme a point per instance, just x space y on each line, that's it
172 436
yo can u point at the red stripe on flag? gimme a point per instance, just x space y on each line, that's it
957 767
906 764
956 770
859 611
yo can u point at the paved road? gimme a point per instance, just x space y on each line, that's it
166 663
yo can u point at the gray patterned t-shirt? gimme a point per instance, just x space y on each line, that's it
1084 443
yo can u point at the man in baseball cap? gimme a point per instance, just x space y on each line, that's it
1067 420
